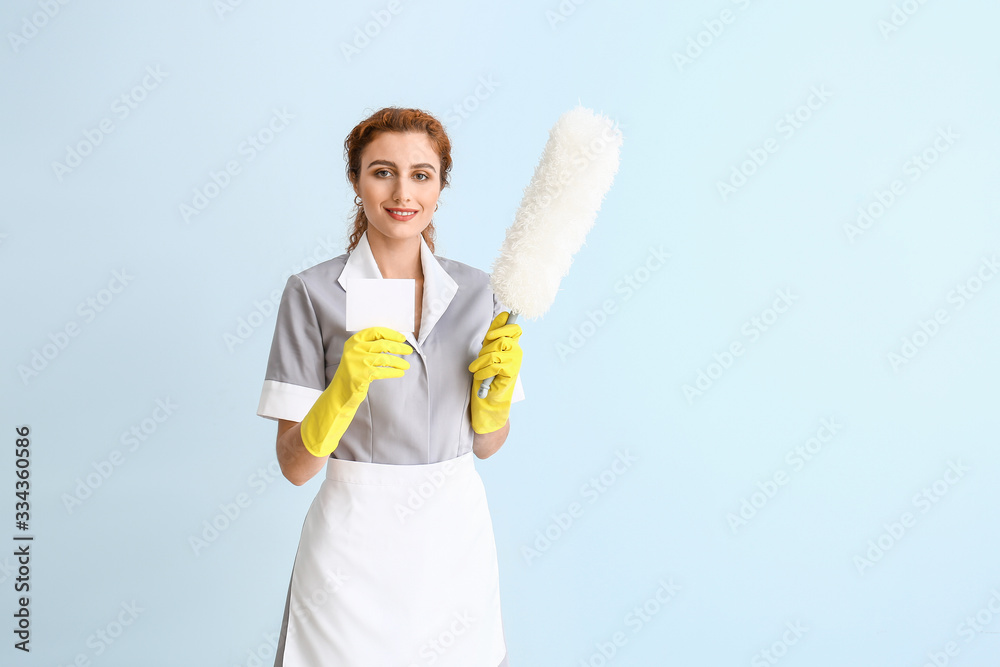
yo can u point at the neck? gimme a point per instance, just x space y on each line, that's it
396 258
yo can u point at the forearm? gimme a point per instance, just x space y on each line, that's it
297 464
485 445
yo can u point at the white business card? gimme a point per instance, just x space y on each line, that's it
381 302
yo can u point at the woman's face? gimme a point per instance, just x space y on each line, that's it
399 183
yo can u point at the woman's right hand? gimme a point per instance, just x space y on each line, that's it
368 355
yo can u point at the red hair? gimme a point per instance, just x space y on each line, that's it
393 119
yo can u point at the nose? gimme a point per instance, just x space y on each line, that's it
401 192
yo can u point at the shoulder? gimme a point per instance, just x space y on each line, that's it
323 273
313 290
464 274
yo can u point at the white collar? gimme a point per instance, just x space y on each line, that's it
439 286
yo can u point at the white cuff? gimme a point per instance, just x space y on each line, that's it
280 400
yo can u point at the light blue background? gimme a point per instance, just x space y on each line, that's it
686 127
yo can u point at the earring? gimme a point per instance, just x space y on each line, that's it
356 200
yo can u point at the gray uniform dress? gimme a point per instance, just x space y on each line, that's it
423 416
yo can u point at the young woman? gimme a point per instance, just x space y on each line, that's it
396 564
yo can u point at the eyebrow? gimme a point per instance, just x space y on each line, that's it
422 165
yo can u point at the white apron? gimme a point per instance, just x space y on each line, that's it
396 567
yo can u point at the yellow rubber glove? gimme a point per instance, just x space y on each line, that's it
368 356
500 359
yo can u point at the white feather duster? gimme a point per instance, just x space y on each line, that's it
557 210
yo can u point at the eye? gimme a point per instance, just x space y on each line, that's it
425 176
382 170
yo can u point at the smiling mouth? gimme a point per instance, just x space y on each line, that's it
401 213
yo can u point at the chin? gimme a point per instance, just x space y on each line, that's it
399 230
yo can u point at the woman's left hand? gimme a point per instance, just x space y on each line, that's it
500 358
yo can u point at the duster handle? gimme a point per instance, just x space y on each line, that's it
484 388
